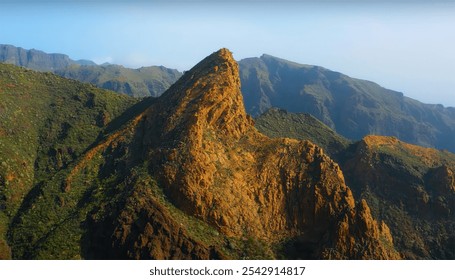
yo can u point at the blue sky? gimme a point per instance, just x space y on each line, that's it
404 45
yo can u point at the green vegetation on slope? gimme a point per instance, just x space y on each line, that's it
46 122
62 174
75 179
145 81
353 108
411 188
278 123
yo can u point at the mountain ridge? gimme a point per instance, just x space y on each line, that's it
207 112
354 108
36 59
280 123
411 188
141 82
188 176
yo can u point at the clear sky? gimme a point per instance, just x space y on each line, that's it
404 45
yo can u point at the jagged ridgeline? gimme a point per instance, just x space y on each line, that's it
411 188
352 107
183 176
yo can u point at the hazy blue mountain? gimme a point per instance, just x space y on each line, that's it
145 81
37 60
352 107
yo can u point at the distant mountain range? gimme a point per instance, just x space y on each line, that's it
353 108
37 60
145 81
87 173
142 82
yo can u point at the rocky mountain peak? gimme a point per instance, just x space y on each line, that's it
208 96
214 165
187 173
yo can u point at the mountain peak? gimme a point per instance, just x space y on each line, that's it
208 96
224 53
180 179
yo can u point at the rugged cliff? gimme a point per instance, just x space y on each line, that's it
411 188
211 163
189 177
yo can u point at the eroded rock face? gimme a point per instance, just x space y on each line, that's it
213 164
210 162
143 229
411 188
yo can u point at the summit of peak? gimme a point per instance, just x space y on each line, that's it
209 96
224 53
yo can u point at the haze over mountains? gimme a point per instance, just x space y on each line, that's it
37 60
354 108
145 81
88 173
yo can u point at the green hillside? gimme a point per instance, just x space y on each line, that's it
278 123
46 122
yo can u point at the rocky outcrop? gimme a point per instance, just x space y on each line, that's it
411 188
213 164
142 229
188 176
